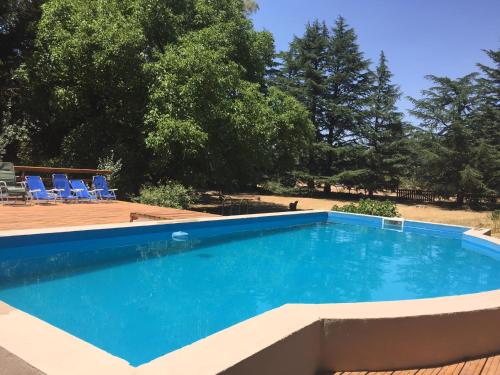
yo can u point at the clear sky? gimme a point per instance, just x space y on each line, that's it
419 37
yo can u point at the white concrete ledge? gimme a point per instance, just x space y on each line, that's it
293 339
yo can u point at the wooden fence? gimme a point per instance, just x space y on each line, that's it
432 196
416 195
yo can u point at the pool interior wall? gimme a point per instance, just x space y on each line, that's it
51 242
231 225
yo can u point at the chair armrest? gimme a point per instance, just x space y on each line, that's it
76 190
57 190
113 189
35 191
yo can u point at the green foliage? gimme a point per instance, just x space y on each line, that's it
207 116
189 90
111 163
18 21
495 215
384 157
358 130
86 87
370 207
495 218
275 187
457 152
171 194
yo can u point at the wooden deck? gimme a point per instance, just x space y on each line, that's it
482 366
32 216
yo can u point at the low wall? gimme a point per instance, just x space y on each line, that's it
409 342
302 339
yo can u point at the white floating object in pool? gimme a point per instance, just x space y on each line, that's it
180 236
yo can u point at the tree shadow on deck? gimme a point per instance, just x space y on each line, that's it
228 206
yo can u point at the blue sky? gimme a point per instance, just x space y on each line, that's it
419 37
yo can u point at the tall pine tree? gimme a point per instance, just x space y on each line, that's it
383 132
327 72
447 113
488 119
349 82
304 72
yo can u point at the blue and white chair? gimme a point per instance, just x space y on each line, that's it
37 191
102 189
82 191
63 188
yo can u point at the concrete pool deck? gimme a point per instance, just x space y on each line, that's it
292 339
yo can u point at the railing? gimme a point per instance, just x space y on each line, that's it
231 206
50 170
416 195
431 196
23 170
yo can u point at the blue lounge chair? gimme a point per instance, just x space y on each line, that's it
82 191
101 187
62 187
37 191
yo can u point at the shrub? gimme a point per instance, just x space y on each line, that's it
370 207
112 164
171 194
495 215
495 218
277 188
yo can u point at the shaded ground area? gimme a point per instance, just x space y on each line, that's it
13 365
436 213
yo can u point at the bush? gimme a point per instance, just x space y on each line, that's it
370 207
277 188
495 218
172 194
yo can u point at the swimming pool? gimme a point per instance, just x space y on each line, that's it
138 293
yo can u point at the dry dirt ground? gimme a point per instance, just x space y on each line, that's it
423 212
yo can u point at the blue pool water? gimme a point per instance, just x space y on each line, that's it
141 296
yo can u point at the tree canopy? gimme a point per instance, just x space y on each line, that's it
188 90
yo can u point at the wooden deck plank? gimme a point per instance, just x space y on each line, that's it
453 369
473 367
32 216
429 371
492 366
482 366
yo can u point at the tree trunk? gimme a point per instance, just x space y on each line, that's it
460 198
327 188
